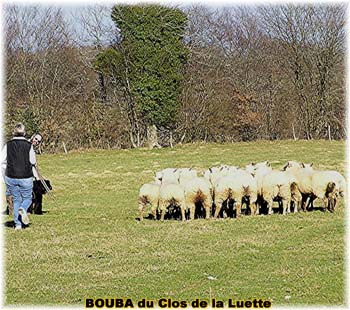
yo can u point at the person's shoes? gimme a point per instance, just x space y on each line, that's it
24 216
18 227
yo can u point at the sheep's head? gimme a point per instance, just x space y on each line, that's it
291 164
307 167
223 168
263 164
157 179
250 169
285 167
187 173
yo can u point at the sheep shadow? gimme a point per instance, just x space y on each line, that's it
172 213
227 210
264 209
314 209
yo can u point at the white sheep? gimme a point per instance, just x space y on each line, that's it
228 170
187 174
303 174
235 187
326 185
169 175
259 170
209 172
197 190
342 184
253 167
215 173
171 194
279 185
148 195
293 164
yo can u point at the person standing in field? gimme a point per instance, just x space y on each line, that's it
17 161
35 140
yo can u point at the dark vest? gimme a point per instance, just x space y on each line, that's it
18 164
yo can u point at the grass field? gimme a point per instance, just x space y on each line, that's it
89 244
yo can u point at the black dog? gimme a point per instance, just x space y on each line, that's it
37 200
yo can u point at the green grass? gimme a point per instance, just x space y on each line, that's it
90 245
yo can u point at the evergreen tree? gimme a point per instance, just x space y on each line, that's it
148 63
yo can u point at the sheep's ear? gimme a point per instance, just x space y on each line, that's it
175 169
268 164
211 171
222 168
253 164
302 165
311 164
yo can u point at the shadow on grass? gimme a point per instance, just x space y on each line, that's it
226 211
313 209
168 216
6 212
11 224
42 212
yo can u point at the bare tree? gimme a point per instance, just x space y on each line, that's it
312 39
271 72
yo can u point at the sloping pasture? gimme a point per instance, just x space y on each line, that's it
89 243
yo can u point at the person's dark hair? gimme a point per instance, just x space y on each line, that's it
19 130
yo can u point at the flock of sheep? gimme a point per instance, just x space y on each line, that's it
222 191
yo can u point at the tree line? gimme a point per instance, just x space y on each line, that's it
116 77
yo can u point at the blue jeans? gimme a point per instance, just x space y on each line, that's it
21 191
